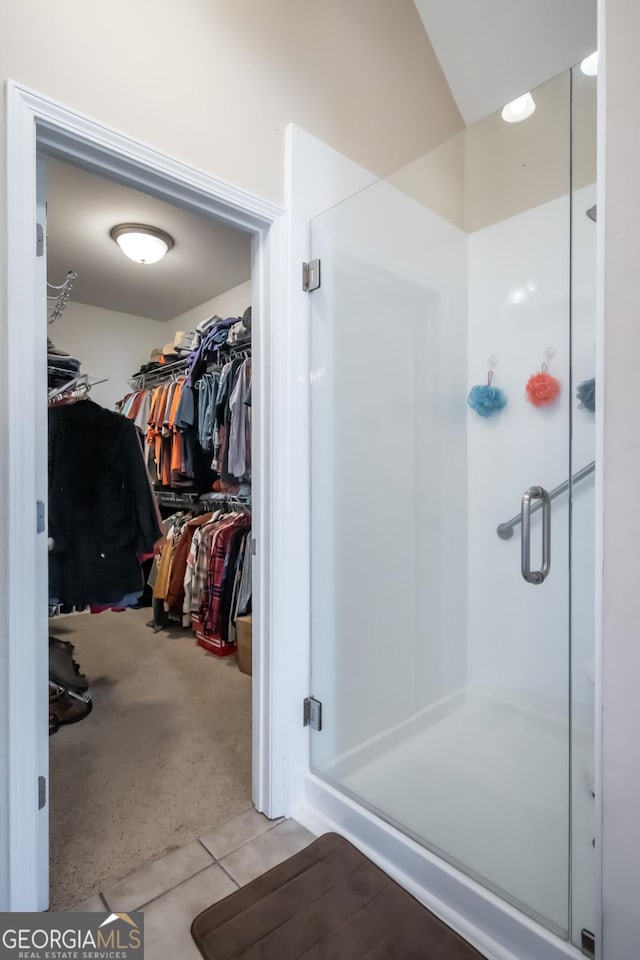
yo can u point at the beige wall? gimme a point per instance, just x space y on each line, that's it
214 82
513 167
436 180
494 170
233 303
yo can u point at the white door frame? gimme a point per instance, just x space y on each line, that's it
35 124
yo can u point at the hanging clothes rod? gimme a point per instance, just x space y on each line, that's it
179 367
505 530
77 384
243 498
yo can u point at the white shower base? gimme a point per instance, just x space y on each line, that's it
486 788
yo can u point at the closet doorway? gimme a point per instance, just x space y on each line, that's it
38 125
148 366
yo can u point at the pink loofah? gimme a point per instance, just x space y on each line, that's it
542 388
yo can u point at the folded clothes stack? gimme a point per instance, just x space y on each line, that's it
215 334
240 332
60 366
201 345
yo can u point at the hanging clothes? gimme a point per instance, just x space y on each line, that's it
212 622
203 576
207 392
200 424
231 431
102 513
239 455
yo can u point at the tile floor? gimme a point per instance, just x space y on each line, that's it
173 890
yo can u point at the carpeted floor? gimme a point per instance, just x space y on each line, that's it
164 756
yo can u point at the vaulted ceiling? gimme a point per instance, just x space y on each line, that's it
491 51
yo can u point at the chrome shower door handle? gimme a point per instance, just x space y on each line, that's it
535 576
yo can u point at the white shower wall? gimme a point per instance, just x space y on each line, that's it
389 467
518 295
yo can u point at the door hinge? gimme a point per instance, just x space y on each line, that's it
253 547
312 713
311 276
39 240
39 516
42 792
588 943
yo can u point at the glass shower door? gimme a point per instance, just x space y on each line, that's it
441 645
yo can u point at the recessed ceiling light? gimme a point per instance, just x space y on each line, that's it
589 65
141 243
519 109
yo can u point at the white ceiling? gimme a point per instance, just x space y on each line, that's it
208 258
491 51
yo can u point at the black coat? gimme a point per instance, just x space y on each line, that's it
102 513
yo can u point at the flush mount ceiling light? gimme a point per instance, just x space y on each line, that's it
519 109
141 243
589 65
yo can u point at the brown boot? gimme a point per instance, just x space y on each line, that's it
63 669
67 707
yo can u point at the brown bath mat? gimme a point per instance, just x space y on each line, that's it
328 902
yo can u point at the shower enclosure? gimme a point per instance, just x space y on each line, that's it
452 599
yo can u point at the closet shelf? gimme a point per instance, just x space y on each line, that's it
170 498
159 375
167 498
179 367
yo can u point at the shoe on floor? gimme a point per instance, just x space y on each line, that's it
64 644
64 670
67 707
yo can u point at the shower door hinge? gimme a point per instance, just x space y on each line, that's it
42 792
39 240
312 713
311 276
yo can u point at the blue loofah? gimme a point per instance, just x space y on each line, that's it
486 400
586 394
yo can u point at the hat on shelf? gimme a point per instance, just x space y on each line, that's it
175 349
54 351
156 360
187 341
169 350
